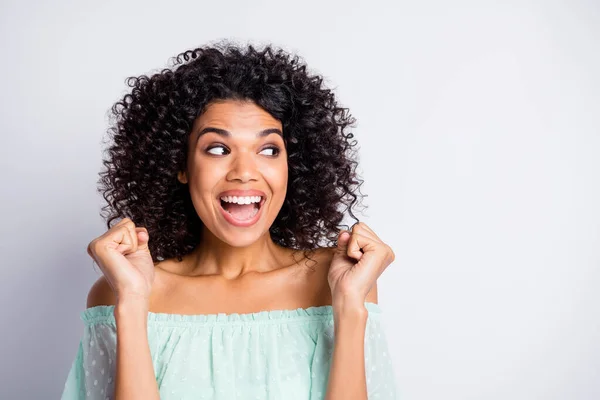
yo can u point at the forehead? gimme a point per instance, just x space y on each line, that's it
235 115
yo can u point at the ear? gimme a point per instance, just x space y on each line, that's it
182 177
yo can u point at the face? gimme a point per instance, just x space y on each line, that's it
236 146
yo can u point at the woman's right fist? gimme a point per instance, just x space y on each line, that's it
123 256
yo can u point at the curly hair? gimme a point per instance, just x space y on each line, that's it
150 127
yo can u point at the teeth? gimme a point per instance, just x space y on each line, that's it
242 199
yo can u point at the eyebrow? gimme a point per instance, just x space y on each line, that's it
226 133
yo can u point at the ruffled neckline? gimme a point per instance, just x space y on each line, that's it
98 314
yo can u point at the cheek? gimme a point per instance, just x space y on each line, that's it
277 178
204 180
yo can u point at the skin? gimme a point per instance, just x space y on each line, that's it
241 270
244 162
238 269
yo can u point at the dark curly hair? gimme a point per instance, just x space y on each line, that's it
150 127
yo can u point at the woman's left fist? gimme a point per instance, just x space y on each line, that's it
358 261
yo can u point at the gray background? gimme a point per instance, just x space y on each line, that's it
479 131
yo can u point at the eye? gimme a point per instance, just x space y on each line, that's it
276 150
216 147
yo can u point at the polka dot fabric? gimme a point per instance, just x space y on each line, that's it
271 355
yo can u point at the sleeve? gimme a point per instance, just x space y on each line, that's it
92 373
379 370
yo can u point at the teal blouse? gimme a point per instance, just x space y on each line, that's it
274 355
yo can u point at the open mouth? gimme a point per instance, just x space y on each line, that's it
242 212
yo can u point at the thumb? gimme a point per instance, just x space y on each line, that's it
342 243
143 238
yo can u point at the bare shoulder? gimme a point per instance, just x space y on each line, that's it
325 255
320 260
101 294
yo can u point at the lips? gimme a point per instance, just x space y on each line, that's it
239 193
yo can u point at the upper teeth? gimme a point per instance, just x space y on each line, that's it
242 199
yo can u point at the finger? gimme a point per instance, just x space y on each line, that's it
133 234
123 221
364 230
364 233
358 242
143 238
123 240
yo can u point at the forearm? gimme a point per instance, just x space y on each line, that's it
347 378
135 378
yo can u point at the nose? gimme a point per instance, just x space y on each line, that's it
243 167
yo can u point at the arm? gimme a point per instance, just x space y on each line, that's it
347 371
135 377
135 373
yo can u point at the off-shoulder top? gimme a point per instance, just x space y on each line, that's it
274 355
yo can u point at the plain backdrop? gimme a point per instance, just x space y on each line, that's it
479 132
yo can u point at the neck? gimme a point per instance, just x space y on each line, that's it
216 257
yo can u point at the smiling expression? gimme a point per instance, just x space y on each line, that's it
236 145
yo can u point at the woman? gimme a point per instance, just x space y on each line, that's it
222 169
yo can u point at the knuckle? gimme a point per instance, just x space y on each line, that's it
92 245
124 228
392 255
125 222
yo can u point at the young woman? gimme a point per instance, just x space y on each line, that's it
227 275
